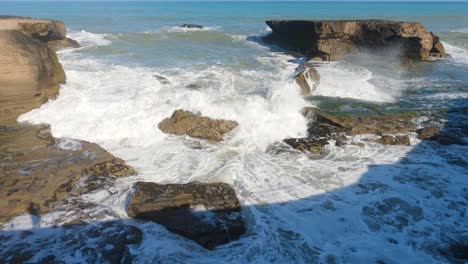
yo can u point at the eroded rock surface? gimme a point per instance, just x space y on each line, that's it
30 74
38 170
51 32
209 214
187 123
330 40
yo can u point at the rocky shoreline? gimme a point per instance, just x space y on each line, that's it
40 173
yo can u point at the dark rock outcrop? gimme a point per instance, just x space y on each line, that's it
192 26
209 214
187 123
330 40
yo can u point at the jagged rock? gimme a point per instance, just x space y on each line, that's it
30 74
312 145
192 26
330 40
52 32
307 78
187 123
394 140
209 214
36 172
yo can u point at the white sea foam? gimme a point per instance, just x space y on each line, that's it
460 30
342 79
459 55
88 39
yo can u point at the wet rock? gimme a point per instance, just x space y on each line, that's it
456 252
312 145
330 40
394 140
187 123
35 173
192 26
209 214
428 132
307 78
163 80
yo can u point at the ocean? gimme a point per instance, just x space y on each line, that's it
352 204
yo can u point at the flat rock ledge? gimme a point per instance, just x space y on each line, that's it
331 40
207 213
39 172
187 123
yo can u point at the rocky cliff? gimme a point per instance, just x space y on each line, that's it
331 40
30 72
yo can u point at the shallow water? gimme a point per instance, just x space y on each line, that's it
349 205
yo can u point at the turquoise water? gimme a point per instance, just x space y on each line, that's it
298 208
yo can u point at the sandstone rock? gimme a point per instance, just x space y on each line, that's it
186 123
35 172
30 74
41 29
51 32
330 40
307 78
209 214
63 44
191 26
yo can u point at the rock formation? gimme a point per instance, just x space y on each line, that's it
30 73
330 40
209 214
187 123
36 168
307 77
37 171
51 32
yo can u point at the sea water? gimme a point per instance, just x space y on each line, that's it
353 204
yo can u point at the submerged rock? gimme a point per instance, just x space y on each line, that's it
99 242
187 123
192 26
330 40
163 80
209 214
